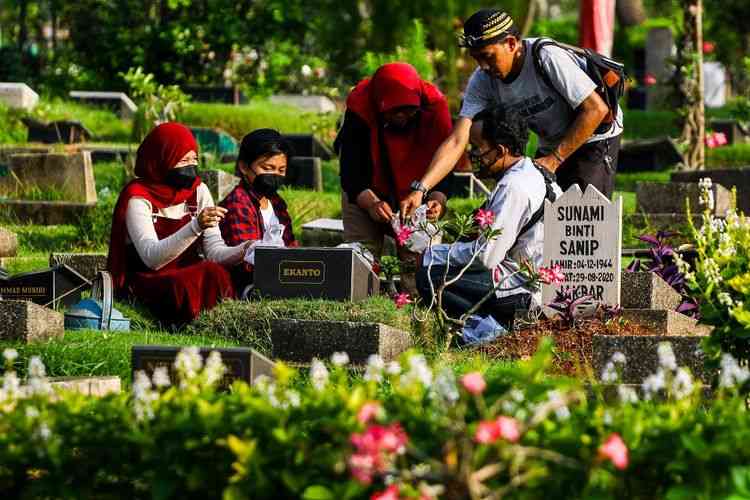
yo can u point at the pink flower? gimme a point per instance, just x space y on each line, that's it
375 449
390 493
720 138
362 466
401 299
487 432
708 47
649 80
711 141
615 450
403 235
368 411
474 383
484 218
551 275
509 429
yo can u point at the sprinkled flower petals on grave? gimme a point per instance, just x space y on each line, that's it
318 374
485 218
615 450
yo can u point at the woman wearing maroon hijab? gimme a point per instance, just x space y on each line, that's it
162 222
394 123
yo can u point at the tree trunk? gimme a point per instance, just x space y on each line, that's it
530 15
630 12
694 126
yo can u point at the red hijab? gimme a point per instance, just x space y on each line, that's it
409 154
161 150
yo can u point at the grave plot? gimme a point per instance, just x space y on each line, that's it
118 102
8 244
18 96
323 233
729 178
305 172
60 131
85 264
311 103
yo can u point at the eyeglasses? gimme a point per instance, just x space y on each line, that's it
477 157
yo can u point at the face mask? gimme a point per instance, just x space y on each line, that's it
267 184
183 177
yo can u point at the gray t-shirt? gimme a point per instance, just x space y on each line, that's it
549 113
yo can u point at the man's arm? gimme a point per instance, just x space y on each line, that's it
445 158
591 112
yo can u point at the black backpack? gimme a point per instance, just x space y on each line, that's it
608 75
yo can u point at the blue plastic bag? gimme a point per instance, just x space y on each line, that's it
479 330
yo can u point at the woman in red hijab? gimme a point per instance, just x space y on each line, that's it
394 123
163 221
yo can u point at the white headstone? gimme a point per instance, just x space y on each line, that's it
18 95
583 234
714 84
126 106
316 103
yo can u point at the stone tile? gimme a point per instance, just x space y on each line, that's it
305 172
313 103
663 322
641 354
668 198
118 102
219 183
644 290
299 341
29 322
18 95
87 264
729 177
88 386
8 243
70 174
46 213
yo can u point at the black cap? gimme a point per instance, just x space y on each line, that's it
485 27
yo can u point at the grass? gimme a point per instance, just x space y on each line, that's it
736 155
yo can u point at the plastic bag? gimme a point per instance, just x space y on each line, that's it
422 229
272 237
479 330
361 251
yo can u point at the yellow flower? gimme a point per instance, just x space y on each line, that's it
741 283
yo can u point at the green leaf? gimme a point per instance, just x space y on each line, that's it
317 492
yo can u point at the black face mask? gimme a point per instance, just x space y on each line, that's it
183 177
267 184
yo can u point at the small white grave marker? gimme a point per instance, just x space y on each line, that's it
18 95
583 234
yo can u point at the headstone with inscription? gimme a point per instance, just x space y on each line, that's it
659 48
49 288
242 363
583 235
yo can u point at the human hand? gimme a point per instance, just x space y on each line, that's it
548 162
211 216
380 211
410 203
435 210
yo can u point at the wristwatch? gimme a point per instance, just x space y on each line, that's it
418 186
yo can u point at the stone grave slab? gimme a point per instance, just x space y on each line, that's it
663 322
29 322
119 102
305 172
648 154
583 235
88 386
323 233
46 213
641 354
645 290
72 175
85 264
729 178
320 273
215 141
18 95
309 145
668 198
49 287
734 133
659 48
219 183
227 95
299 341
8 243
60 131
313 103
242 363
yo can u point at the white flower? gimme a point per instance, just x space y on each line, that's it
725 299
43 432
161 377
654 383
214 369
445 386
682 384
11 386
31 412
318 374
607 418
609 373
294 398
556 399
36 367
374 370
619 358
306 71
419 371
393 368
562 413
10 355
340 359
731 373
253 55
667 358
188 363
143 396
627 394
517 395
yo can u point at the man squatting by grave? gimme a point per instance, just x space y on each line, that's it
566 114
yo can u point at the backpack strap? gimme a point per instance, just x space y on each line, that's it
536 49
549 179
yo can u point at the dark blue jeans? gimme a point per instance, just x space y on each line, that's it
462 295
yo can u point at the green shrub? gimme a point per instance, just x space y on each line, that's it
305 206
12 130
736 155
414 51
103 123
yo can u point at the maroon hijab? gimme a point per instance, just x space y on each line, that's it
161 150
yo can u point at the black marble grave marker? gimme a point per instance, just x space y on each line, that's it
51 287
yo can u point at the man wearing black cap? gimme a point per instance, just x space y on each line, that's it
565 113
